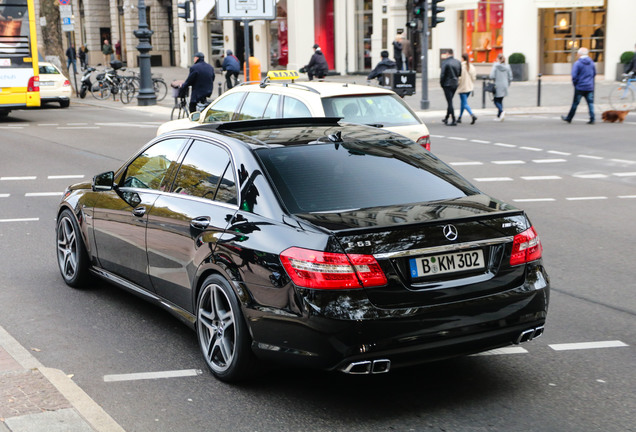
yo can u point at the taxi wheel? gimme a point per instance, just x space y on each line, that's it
72 258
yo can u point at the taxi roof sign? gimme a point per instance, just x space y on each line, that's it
283 75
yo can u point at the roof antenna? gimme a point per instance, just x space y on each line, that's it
336 137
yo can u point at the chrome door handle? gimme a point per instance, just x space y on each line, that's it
201 222
139 211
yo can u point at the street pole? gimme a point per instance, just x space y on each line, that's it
146 90
246 38
424 102
195 31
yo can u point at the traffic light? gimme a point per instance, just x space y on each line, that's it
187 11
435 10
419 9
412 24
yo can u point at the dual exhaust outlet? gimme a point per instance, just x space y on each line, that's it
528 335
367 367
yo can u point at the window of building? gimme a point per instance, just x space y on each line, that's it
364 30
483 31
279 48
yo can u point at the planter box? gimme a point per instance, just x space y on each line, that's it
519 72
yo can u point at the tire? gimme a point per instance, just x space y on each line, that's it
622 99
65 103
222 333
72 258
160 87
82 92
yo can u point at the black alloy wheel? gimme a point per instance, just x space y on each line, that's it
72 258
223 335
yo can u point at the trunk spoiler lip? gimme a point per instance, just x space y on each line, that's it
377 228
444 248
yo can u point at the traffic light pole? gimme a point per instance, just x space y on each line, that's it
424 102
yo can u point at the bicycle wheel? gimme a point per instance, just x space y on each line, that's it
127 93
101 90
621 98
176 113
160 87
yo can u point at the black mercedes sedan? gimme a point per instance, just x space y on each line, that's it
310 242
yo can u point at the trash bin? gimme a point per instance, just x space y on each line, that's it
401 82
255 70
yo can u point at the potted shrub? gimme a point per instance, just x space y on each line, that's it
517 62
626 57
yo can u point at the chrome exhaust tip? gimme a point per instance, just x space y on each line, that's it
367 367
528 335
381 366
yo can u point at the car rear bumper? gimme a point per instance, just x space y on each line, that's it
327 338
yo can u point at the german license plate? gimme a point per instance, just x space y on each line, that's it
46 83
447 263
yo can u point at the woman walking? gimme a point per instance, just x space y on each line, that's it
502 74
466 86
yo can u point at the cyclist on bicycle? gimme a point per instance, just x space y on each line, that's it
631 66
201 79
232 67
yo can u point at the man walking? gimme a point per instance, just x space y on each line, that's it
583 73
449 79
71 57
201 79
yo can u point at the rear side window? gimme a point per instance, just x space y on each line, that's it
292 107
224 108
49 70
386 110
320 178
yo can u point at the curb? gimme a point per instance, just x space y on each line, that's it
85 414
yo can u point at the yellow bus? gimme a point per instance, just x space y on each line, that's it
19 72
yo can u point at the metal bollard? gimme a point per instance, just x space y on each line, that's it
220 88
539 90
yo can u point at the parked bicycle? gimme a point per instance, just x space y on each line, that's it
621 97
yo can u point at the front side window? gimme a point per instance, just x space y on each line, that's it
206 172
254 106
224 108
386 110
149 170
292 107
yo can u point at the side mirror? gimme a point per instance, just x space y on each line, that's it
104 181
195 116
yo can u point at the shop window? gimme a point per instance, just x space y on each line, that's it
483 32
279 48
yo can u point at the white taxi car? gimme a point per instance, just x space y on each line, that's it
354 103
54 86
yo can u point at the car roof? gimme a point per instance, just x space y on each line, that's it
323 89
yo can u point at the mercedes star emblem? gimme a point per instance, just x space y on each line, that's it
450 232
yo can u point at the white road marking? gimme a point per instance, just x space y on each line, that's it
58 177
20 220
5 195
48 124
547 177
531 149
76 124
438 136
590 157
11 127
625 174
152 375
466 163
627 196
505 145
586 198
42 194
492 179
534 200
122 124
78 127
508 162
560 153
545 161
590 176
479 141
587 345
18 178
503 351
623 161
458 138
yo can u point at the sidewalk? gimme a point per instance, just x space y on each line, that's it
556 94
34 398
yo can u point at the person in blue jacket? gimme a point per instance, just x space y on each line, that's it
583 73
232 67
201 79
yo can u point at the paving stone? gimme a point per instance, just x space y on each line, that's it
8 363
27 392
65 420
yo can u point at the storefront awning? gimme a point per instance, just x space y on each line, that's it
568 3
460 4
203 9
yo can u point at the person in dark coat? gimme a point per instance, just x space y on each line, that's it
449 79
317 64
583 73
631 66
201 79
232 67
385 64
397 51
71 57
82 56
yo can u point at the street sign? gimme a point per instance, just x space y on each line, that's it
66 16
246 9
65 2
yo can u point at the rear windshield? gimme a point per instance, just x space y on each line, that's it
385 110
333 177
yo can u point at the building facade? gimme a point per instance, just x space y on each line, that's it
352 33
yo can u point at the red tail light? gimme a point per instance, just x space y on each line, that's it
327 270
67 83
33 84
526 247
425 141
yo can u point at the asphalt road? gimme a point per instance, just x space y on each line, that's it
577 183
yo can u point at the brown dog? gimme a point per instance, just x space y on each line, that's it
614 116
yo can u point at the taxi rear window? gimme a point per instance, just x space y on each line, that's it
383 109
